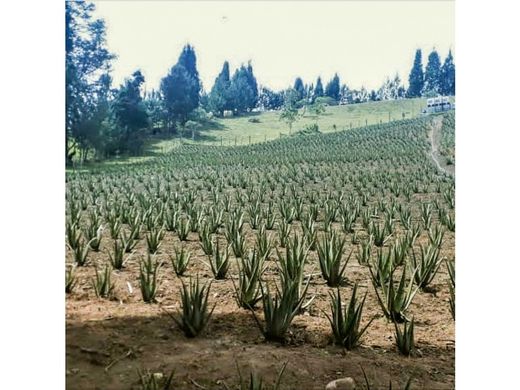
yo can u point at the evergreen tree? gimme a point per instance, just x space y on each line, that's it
181 88
318 90
448 76
244 90
251 81
299 88
130 114
219 99
333 88
416 78
432 75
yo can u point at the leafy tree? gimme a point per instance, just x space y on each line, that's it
219 97
155 110
391 89
333 88
416 78
87 67
432 75
181 88
318 90
289 112
448 76
299 88
130 114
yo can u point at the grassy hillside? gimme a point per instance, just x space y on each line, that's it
260 127
270 127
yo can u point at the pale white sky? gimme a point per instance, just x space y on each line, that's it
364 41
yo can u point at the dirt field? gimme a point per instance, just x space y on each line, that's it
109 340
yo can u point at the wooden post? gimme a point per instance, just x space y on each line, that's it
249 140
235 140
366 122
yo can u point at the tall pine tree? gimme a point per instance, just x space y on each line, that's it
299 88
181 88
448 76
219 97
318 90
333 88
432 75
416 78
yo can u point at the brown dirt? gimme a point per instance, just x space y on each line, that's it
107 341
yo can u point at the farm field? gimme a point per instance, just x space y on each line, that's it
243 130
293 213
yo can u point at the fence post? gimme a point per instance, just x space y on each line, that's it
366 122
235 140
249 140
220 140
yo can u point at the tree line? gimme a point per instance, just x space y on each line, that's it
102 121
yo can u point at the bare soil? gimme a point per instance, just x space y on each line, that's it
108 340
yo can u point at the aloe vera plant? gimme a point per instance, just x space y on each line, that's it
426 265
364 252
346 321
195 313
81 253
70 279
395 301
219 262
205 238
128 242
248 293
183 228
382 268
264 243
117 259
153 240
451 285
404 338
284 230
279 310
149 381
330 253
102 284
149 278
180 261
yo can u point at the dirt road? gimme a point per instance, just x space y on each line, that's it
435 137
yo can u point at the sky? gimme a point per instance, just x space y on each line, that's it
363 41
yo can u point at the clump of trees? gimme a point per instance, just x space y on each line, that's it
436 79
102 121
